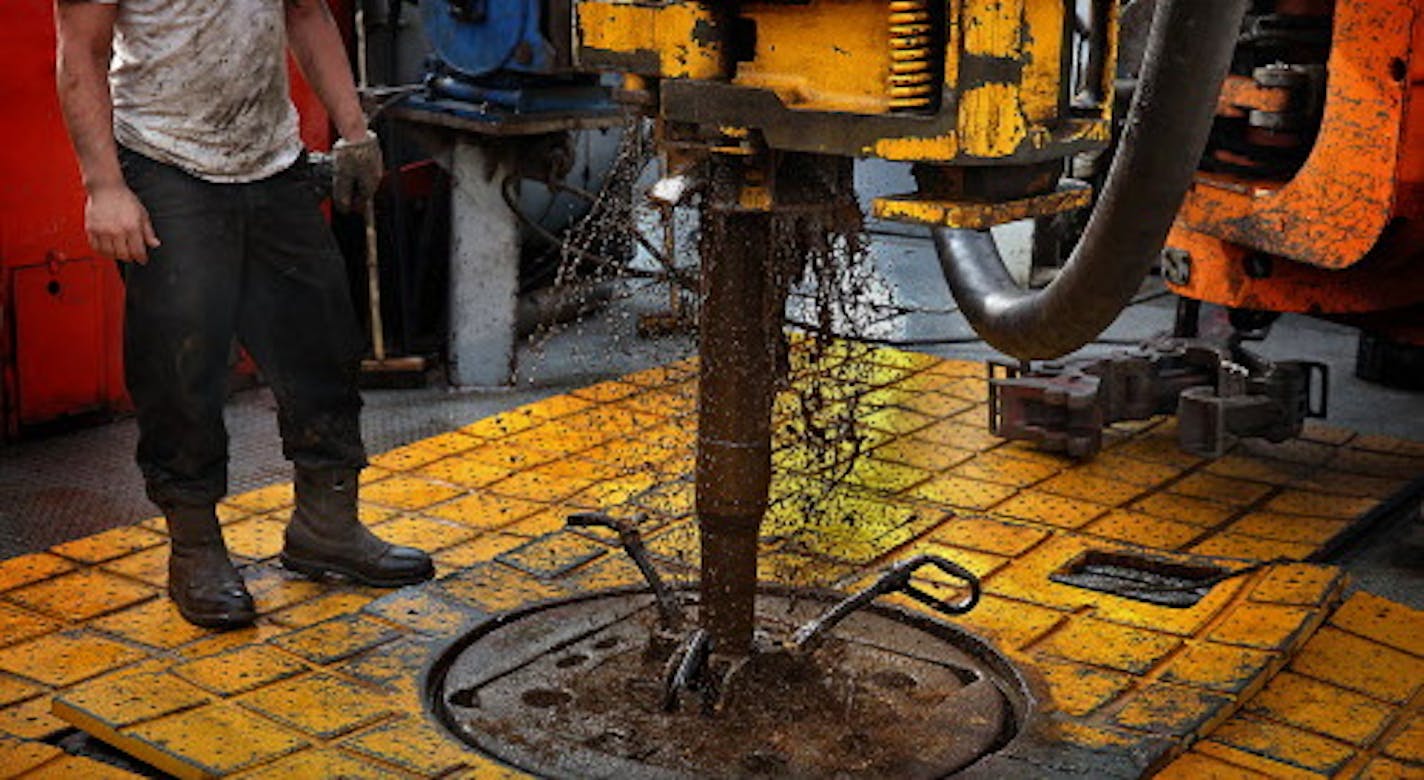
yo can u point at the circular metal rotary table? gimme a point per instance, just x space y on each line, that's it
575 689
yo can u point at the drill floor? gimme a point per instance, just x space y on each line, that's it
1278 671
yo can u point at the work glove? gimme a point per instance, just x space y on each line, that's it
356 168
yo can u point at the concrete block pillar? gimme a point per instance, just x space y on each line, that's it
484 268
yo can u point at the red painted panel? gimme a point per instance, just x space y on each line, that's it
41 202
315 124
61 339
53 365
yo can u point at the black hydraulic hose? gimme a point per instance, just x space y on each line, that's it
1188 54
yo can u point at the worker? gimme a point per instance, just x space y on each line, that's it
198 184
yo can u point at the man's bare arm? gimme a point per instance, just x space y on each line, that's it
117 223
320 53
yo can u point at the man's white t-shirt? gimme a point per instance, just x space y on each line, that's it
202 85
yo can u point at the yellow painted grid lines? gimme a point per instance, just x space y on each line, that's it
490 500
1123 667
1349 704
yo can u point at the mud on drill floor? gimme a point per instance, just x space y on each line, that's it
328 682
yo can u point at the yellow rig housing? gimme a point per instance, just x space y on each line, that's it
949 84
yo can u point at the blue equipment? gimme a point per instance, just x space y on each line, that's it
494 56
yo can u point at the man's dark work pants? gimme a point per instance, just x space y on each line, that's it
255 261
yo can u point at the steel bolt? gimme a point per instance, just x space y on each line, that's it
1176 266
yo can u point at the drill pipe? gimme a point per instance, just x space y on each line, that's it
749 259
738 331
1188 52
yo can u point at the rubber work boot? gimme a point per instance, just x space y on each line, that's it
326 537
202 581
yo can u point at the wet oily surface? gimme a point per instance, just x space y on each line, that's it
1266 673
575 691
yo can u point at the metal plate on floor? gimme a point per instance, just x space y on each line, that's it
573 689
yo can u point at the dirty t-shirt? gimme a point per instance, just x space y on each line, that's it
202 85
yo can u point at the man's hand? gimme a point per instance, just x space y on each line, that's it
118 224
356 169
317 47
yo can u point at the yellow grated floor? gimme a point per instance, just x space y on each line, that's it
1267 674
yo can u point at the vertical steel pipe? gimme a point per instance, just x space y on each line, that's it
740 322
749 260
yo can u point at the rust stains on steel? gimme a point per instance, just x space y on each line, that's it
1383 280
1240 94
750 255
738 331
1334 210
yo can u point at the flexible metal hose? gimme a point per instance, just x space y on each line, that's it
1188 53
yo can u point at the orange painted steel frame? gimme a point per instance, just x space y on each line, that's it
1345 236
61 308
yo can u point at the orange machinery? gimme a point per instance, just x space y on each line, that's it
1308 198
1311 196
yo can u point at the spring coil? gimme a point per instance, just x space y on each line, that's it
912 73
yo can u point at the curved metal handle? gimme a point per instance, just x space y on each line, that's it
895 579
952 569
670 612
